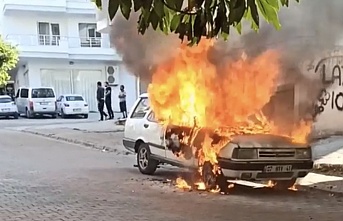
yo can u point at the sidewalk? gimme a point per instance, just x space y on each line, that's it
105 135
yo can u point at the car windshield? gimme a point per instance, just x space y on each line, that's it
4 100
43 93
74 98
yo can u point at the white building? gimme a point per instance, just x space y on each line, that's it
60 47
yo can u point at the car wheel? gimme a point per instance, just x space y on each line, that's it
284 184
28 113
85 116
16 116
213 180
146 165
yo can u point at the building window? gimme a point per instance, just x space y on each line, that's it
89 37
48 33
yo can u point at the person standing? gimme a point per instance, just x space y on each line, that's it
100 93
108 100
122 101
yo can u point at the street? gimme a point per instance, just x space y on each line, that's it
46 179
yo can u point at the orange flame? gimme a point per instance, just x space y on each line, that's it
189 89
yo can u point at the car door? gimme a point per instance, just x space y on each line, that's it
138 127
154 133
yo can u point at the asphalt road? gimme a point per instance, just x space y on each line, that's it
44 179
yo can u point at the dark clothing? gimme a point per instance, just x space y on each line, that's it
100 94
109 108
122 106
108 96
101 110
108 102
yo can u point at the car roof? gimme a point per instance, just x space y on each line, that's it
36 88
66 95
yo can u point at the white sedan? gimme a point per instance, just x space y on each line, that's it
8 108
72 105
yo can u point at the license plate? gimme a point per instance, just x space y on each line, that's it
44 103
77 110
5 109
278 168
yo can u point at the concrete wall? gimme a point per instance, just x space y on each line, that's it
328 67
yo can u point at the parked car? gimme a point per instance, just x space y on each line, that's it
8 107
33 101
72 105
255 157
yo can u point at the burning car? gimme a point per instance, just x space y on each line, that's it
218 154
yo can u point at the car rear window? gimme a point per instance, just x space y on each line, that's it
74 98
43 93
4 100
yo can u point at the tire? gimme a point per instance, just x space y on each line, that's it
212 180
16 116
85 116
146 165
284 184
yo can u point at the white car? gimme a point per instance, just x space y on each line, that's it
33 101
72 105
8 107
255 157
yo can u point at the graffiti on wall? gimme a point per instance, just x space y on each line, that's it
331 72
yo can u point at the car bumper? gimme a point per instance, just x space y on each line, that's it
43 112
7 114
255 170
71 111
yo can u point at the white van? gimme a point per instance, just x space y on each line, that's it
33 101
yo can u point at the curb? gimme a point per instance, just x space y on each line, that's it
329 169
87 144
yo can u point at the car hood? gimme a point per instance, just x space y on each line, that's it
264 141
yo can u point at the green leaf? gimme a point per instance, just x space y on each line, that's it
125 8
137 5
237 10
178 4
269 13
154 19
253 12
159 8
113 6
274 3
285 2
147 4
239 28
175 22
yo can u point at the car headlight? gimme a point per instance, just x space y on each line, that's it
303 153
245 153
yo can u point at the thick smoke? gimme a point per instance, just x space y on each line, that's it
141 52
308 29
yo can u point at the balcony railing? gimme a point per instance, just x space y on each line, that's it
90 42
58 41
53 40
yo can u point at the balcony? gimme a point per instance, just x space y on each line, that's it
53 46
85 7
